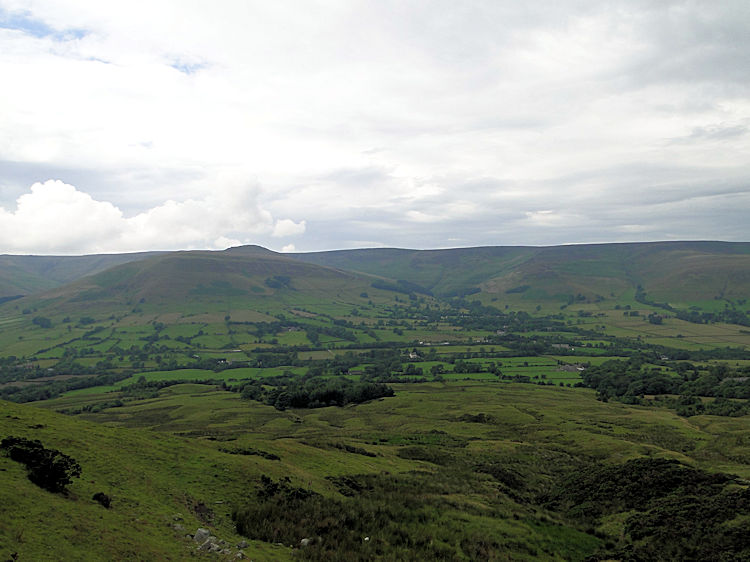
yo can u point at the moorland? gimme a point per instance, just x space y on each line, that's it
497 403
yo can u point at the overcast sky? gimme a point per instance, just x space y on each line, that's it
312 125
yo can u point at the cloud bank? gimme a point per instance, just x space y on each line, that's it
54 217
376 123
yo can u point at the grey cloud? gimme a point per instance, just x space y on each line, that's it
356 177
692 43
132 189
494 122
718 132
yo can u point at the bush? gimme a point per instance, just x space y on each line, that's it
47 468
103 499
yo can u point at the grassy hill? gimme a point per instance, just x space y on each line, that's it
182 378
679 273
676 272
218 280
162 487
462 471
23 275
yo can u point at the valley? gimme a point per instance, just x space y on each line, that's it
383 404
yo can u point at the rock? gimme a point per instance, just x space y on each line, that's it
201 535
304 542
178 527
240 555
177 517
242 544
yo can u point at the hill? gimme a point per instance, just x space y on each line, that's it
173 278
453 471
676 272
341 411
23 275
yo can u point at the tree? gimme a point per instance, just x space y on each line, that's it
42 322
47 468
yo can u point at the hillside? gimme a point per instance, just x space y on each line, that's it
341 412
23 275
679 273
509 471
676 272
161 488
218 280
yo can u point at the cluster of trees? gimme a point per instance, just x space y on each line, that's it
728 315
313 392
629 380
338 332
42 321
278 282
53 389
731 314
694 406
675 512
47 468
401 286
385 517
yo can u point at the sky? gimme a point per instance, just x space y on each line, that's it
316 125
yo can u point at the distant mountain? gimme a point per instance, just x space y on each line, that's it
177 280
666 271
674 273
24 275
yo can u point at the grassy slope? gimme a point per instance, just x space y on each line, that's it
155 451
151 477
22 275
197 282
670 271
676 272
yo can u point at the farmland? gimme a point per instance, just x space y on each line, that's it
268 388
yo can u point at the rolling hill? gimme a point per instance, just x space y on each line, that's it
707 276
215 382
211 280
677 272
23 275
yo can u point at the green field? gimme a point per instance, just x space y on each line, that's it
525 401
159 457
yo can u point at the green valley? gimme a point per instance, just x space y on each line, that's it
519 403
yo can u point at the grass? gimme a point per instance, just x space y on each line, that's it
159 456
173 444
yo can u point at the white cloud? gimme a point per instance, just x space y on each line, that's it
443 121
287 227
55 217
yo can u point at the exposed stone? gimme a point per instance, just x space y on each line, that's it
201 535
178 527
304 542
242 544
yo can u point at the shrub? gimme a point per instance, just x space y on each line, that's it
47 468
